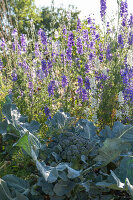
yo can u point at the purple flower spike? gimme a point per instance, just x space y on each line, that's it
123 9
91 56
131 21
30 85
14 33
87 83
130 38
80 81
103 8
79 46
70 40
69 53
64 81
84 95
23 42
1 64
120 41
108 53
3 44
14 76
43 36
78 24
47 112
51 88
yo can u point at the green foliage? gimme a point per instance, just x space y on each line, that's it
20 13
107 157
53 17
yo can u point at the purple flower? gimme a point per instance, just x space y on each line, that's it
1 64
78 24
14 33
80 81
131 21
87 83
101 57
64 81
3 44
49 64
91 56
91 44
64 31
47 112
85 34
127 76
79 46
25 65
14 76
37 51
44 65
43 36
23 42
87 68
123 9
40 74
89 20
120 41
108 53
130 38
70 40
97 37
30 85
103 8
107 24
69 53
84 95
14 46
62 57
51 88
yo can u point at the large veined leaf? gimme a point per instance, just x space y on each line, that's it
125 170
5 193
119 130
19 185
72 173
121 178
19 122
5 185
49 173
85 129
32 127
3 127
47 188
24 143
111 149
28 141
60 120
57 198
63 187
12 114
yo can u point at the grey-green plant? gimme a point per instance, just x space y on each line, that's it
59 176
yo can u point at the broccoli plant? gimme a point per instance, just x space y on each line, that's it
75 163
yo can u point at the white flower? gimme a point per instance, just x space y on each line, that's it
93 102
93 83
126 111
86 112
120 98
130 58
118 114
